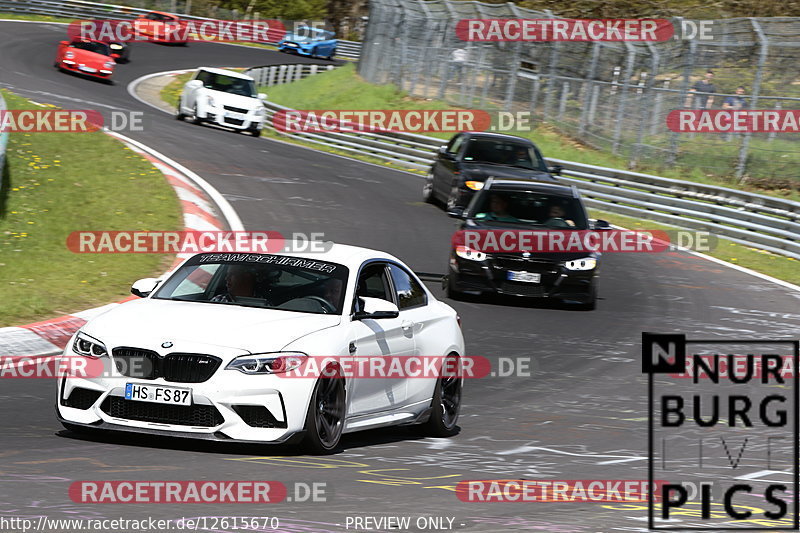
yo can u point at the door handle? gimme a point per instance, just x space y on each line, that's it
407 325
352 347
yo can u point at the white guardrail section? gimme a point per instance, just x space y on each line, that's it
78 9
755 220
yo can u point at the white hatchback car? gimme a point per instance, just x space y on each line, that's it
223 97
206 352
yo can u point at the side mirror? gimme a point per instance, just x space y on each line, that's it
65 43
262 96
456 212
556 170
601 225
376 309
194 84
143 287
444 153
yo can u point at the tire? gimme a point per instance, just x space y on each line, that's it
324 424
451 291
195 118
446 404
254 132
313 52
452 199
333 53
178 114
427 190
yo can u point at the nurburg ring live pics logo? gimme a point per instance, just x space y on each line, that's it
723 433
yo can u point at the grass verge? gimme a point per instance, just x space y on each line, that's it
38 18
64 182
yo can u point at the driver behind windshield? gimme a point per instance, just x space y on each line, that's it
520 158
498 210
240 280
557 217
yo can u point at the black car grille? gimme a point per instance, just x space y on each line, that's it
517 262
257 416
235 109
180 415
175 367
81 398
523 289
234 121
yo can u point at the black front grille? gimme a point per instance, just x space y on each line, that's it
81 398
517 262
235 109
174 367
180 415
523 289
234 121
257 416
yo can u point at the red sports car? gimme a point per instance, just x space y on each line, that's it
91 58
160 27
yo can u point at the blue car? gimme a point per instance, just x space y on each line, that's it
311 42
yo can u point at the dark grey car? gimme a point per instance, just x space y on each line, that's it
470 158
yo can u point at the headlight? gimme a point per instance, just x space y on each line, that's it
260 111
109 64
267 363
470 254
69 55
88 347
211 101
115 46
474 185
587 263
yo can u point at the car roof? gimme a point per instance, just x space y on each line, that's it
225 72
497 136
76 41
557 189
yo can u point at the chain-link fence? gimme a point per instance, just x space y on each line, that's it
611 95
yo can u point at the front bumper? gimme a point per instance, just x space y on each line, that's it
235 120
491 277
74 66
299 50
229 406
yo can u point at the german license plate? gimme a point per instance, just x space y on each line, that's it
158 394
525 277
87 69
235 116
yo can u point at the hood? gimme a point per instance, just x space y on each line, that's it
91 59
234 100
482 172
149 322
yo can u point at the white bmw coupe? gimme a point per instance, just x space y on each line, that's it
207 352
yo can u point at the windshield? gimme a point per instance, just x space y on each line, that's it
530 209
91 46
504 153
227 84
259 280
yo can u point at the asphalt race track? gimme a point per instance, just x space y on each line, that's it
581 414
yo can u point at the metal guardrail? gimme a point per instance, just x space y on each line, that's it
756 220
78 9
279 74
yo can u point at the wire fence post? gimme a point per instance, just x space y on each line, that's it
741 164
623 97
591 73
553 72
